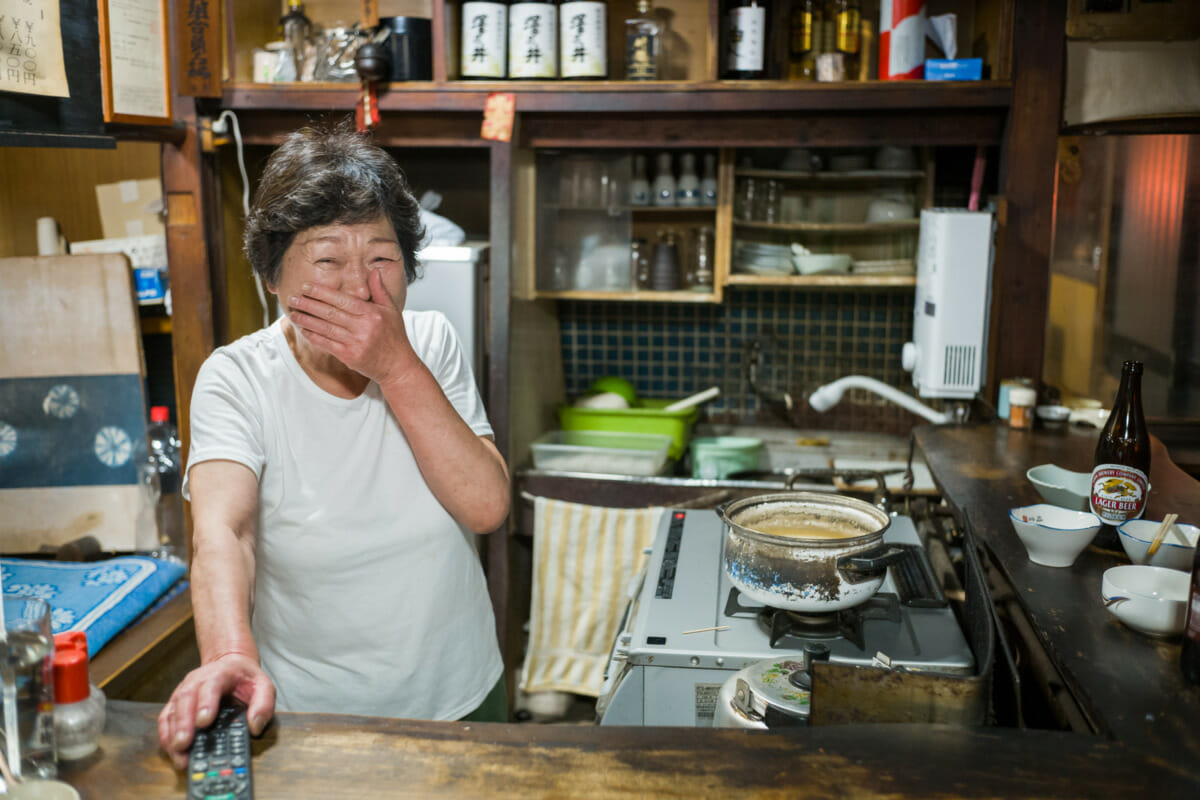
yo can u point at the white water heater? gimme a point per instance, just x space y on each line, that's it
947 355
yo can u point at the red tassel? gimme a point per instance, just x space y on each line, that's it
366 111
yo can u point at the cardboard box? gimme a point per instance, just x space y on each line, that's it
131 208
147 257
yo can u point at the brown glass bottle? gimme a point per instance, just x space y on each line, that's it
1189 653
1121 471
848 22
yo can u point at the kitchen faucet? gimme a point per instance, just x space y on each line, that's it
829 395
754 346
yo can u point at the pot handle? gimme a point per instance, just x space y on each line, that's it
873 560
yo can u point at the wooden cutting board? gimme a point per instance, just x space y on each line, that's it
72 405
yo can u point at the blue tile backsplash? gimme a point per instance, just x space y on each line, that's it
805 339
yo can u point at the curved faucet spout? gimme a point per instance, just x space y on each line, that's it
829 395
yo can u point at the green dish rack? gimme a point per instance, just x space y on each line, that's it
648 416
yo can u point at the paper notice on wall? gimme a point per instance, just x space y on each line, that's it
31 53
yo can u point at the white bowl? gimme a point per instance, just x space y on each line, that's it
1053 417
1151 600
1062 487
1174 552
886 209
819 263
1053 536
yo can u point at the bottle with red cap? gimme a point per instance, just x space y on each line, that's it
162 440
78 705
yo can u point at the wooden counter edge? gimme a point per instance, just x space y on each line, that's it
124 662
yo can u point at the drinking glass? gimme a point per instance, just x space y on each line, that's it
26 668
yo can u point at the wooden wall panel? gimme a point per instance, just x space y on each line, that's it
47 182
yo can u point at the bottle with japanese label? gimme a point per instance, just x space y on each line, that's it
1189 653
643 45
532 40
747 40
1121 475
848 22
804 29
484 40
581 39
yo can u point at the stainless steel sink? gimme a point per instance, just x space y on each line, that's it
787 449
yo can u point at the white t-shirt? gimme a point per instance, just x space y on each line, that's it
369 597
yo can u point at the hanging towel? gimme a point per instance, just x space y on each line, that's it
584 560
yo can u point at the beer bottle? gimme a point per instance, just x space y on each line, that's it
1121 475
1189 653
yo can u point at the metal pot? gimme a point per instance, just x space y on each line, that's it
774 693
840 568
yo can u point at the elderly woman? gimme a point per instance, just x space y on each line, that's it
340 463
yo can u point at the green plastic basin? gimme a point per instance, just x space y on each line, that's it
647 417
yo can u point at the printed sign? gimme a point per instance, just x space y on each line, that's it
31 54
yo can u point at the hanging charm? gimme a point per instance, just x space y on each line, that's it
371 64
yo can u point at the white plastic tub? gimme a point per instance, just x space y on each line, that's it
603 452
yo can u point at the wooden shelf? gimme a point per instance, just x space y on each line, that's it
817 281
833 227
674 211
628 96
864 176
640 296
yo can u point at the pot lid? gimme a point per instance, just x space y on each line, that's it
767 689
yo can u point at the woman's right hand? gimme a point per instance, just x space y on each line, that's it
195 701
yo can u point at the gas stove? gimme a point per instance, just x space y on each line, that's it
687 629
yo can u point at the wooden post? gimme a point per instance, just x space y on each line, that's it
1021 281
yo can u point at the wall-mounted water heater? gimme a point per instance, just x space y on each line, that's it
948 353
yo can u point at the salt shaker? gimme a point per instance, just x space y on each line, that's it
78 704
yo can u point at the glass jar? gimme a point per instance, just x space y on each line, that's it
639 262
700 269
666 274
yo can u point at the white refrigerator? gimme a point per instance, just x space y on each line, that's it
454 281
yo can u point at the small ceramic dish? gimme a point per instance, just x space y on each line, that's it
1053 417
1062 487
1151 600
1174 552
1053 536
821 263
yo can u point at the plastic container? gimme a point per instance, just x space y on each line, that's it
603 452
648 416
720 456
78 705
1021 402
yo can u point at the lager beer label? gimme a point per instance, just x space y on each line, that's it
1118 493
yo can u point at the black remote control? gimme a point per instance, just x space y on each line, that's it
219 761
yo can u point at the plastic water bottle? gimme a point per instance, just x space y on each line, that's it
162 438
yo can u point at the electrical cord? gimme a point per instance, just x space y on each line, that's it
219 127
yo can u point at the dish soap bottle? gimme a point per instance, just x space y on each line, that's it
78 705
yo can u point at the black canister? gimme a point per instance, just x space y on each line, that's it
410 46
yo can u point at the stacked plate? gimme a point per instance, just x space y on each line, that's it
759 258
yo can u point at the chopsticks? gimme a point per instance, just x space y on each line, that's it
1167 522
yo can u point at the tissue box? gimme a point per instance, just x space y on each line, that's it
953 69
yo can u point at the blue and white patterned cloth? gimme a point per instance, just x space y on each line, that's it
99 598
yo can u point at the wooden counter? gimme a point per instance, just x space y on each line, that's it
1128 685
303 756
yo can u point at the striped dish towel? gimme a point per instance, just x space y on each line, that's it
584 560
